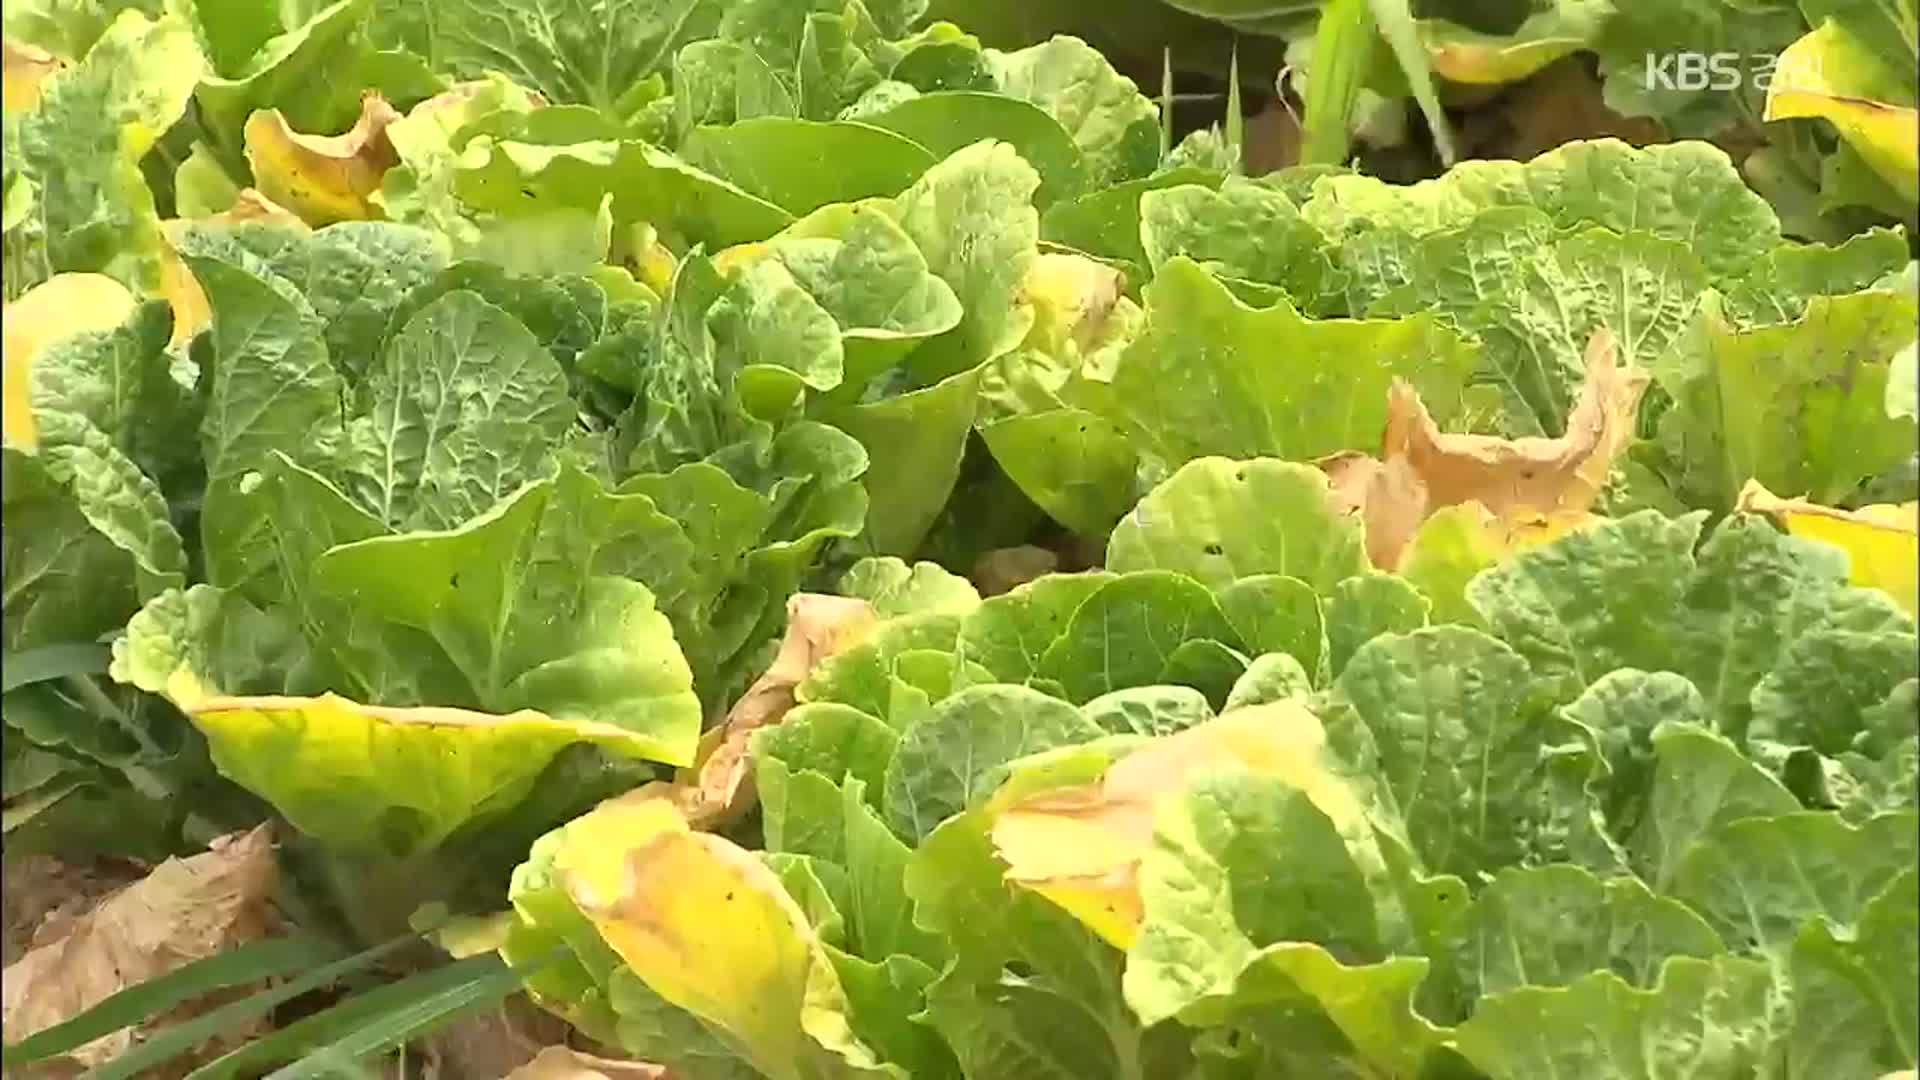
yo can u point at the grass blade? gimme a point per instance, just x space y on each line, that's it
1166 103
1342 46
328 1028
418 1005
169 1043
236 967
1395 20
1236 121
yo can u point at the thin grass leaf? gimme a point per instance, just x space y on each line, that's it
326 1028
1395 20
470 984
169 1043
1236 122
1342 46
236 967
1166 103
18 669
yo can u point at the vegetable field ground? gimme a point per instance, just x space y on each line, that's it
971 540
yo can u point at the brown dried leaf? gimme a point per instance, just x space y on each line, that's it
323 178
1387 495
185 910
1519 481
1272 139
43 895
563 1063
719 789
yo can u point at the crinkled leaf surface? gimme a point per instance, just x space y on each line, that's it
1212 376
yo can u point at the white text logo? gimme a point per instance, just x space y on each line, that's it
1709 71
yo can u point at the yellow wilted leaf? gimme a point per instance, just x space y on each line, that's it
709 927
185 910
1882 542
1831 75
595 852
740 256
25 69
718 789
1081 846
1467 56
1528 485
50 312
1072 297
191 312
323 178
396 780
652 264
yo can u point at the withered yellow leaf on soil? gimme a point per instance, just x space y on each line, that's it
1080 846
25 68
719 788
1546 483
185 910
1882 542
56 309
563 1063
323 178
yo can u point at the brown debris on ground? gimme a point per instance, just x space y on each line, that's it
44 892
564 1063
1558 104
185 910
